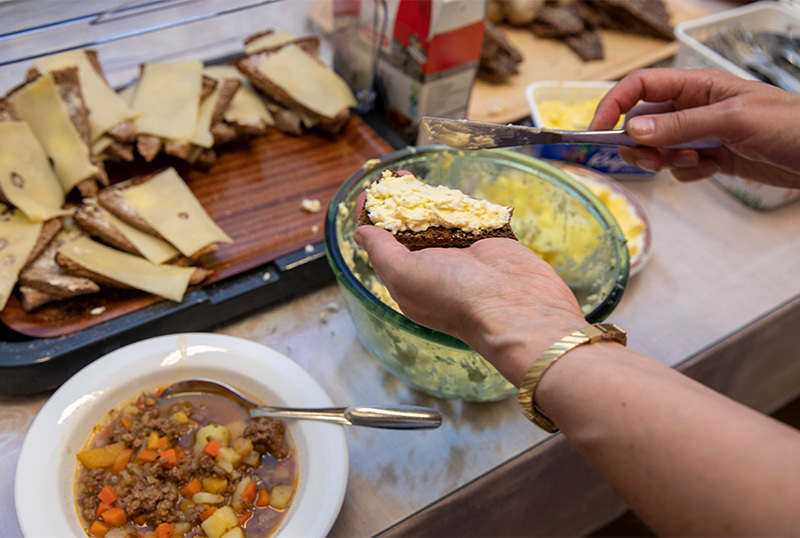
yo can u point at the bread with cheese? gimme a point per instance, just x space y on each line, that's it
267 70
433 234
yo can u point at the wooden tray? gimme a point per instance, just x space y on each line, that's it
550 59
254 193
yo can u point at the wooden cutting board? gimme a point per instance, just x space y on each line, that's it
254 192
550 59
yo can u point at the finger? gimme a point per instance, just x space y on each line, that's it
650 108
385 253
649 159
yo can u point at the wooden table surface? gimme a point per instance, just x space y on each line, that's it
720 298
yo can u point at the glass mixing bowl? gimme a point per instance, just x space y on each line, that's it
554 214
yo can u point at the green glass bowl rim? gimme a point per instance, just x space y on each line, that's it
376 307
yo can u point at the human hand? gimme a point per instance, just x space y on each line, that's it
759 124
497 296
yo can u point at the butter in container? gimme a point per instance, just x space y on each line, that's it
570 106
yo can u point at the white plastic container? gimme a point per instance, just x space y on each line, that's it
765 16
604 159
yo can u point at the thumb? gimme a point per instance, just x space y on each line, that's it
383 249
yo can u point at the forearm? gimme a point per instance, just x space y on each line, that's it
688 460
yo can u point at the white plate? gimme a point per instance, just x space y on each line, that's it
586 176
46 470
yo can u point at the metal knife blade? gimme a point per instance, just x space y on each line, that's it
465 134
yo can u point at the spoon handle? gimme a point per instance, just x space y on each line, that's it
393 417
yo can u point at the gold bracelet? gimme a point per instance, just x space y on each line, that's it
527 390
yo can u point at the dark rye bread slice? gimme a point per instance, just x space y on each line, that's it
69 90
249 65
439 236
74 268
112 201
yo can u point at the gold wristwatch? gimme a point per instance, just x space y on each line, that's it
527 390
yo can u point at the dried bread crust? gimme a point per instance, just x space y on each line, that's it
439 236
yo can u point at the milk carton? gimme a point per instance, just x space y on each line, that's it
425 54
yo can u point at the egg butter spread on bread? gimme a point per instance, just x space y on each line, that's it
421 215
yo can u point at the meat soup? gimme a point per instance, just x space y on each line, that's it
192 464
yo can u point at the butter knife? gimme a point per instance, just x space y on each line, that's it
465 134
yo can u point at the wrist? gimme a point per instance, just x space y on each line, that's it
512 341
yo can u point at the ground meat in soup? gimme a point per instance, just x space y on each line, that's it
150 468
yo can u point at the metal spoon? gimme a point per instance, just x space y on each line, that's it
404 417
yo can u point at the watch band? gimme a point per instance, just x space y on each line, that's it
527 390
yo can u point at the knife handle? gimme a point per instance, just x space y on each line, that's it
619 137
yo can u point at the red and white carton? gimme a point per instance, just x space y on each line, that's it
429 55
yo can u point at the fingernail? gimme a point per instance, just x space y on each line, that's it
647 164
686 160
642 126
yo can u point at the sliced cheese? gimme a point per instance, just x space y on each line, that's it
168 205
26 178
167 99
267 41
40 104
106 108
168 281
101 144
18 235
246 106
202 131
310 83
128 93
153 248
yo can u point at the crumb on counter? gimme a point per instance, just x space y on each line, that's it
309 248
311 206
97 310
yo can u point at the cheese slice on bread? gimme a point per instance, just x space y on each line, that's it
18 236
421 215
164 206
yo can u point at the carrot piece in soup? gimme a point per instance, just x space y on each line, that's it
163 443
148 455
249 494
108 495
102 507
191 488
98 528
168 458
122 460
262 499
212 448
165 530
243 518
115 517
207 513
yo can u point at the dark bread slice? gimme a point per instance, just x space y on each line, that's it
42 281
69 90
438 236
111 200
50 229
74 268
248 65
587 45
92 222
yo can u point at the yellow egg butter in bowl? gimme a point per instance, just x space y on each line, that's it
554 214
